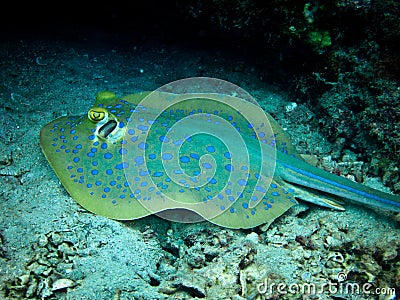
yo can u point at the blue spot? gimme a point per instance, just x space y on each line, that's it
107 189
242 182
194 155
142 127
131 131
94 163
89 185
97 183
76 159
109 172
143 173
158 174
177 142
275 194
231 210
79 170
184 159
164 139
227 155
91 137
260 189
274 185
69 167
104 146
207 165
245 205
229 167
112 183
210 149
222 207
108 155
152 156
123 151
93 150
79 146
121 124
213 181
143 146
95 172
121 166
139 160
167 156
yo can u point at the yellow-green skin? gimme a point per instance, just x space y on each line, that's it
102 163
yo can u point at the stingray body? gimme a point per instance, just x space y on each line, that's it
124 161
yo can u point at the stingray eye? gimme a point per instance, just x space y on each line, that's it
97 114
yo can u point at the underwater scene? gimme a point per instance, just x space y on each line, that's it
216 149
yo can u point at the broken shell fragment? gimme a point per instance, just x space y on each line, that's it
62 283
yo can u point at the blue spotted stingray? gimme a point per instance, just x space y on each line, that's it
125 161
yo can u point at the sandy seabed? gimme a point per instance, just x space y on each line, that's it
52 248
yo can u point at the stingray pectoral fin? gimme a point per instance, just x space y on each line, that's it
95 179
245 213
